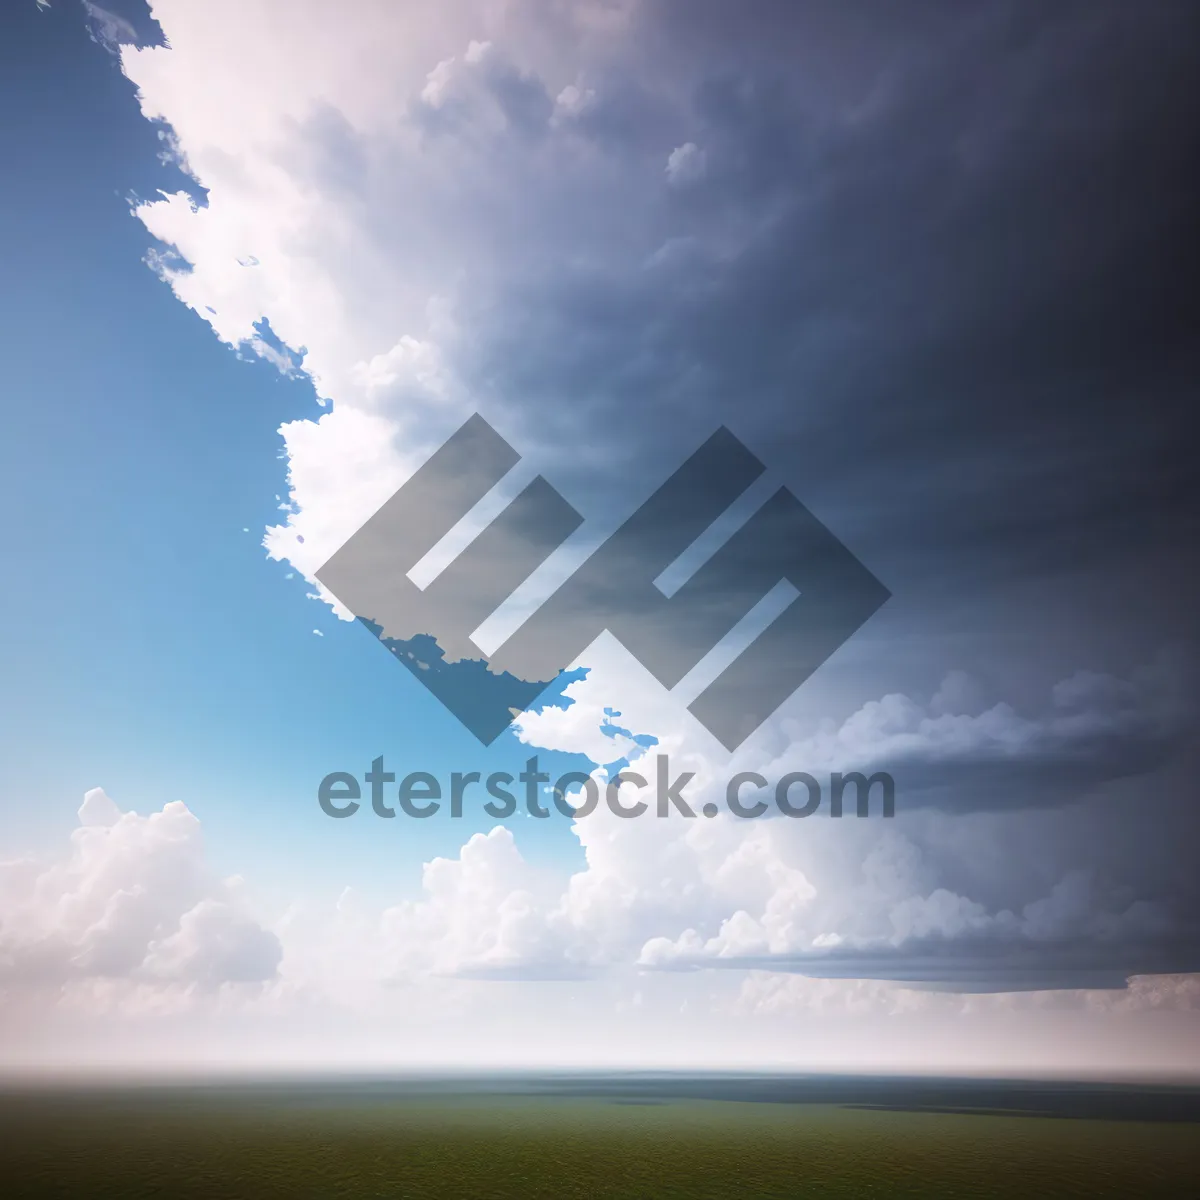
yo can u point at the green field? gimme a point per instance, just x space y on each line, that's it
315 1142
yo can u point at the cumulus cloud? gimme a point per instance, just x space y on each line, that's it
867 902
485 914
1073 937
686 164
958 889
961 751
133 899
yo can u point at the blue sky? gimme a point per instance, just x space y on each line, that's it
952 327
154 650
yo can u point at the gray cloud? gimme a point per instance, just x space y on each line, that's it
952 294
934 272
962 752
1076 936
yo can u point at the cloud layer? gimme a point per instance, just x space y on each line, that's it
935 266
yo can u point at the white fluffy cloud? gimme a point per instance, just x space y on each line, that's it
876 898
485 914
128 952
358 191
132 899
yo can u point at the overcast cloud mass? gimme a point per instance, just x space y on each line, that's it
932 264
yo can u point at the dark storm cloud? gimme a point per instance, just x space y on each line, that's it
954 299
933 270
935 267
963 754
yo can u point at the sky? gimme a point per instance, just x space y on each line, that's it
930 266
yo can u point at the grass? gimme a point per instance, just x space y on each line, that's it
245 1143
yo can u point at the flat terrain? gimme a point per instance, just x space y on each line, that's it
629 1137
